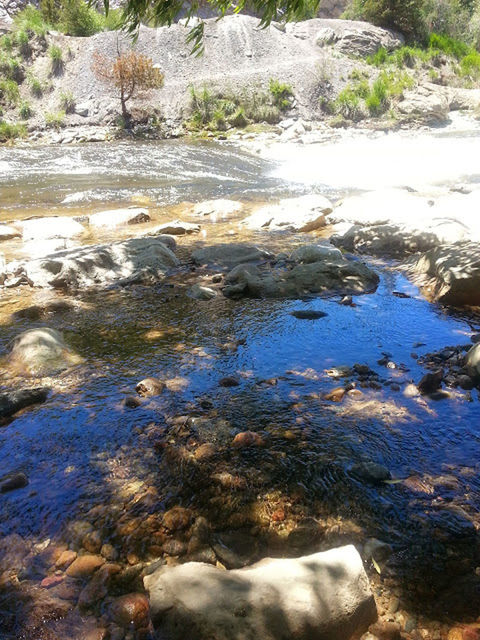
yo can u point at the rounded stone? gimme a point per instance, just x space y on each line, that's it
131 610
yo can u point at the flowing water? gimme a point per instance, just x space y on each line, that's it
89 457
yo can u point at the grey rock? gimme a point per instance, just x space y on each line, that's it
305 213
357 38
325 277
472 362
201 293
119 217
425 105
176 228
325 595
7 232
308 314
452 273
99 266
229 255
41 352
371 472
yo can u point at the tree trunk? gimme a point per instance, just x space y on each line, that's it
126 116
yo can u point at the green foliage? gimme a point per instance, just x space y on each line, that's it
281 94
9 93
359 97
67 101
56 59
405 16
25 110
78 19
219 111
36 86
470 66
6 43
55 120
22 42
31 20
10 68
11 131
449 46
349 104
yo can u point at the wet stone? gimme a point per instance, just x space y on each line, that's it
229 381
371 472
247 439
131 611
13 481
431 382
150 387
177 518
65 559
84 566
308 314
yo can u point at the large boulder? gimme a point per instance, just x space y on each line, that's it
472 362
324 596
452 273
397 223
425 105
119 217
98 266
330 273
51 227
229 255
41 352
357 38
305 213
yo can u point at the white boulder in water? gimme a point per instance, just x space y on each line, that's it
220 208
50 227
7 232
305 213
41 352
323 596
119 217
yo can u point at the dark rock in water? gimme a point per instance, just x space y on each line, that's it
229 381
305 534
465 382
131 402
371 472
308 314
13 481
236 549
431 382
13 401
347 301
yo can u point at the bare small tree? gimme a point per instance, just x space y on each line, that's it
131 74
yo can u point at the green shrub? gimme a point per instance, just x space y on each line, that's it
448 17
55 120
348 104
238 118
36 86
78 19
67 101
22 41
448 45
113 20
406 16
31 20
202 104
6 44
25 110
9 93
470 66
11 131
10 68
281 94
56 59
380 58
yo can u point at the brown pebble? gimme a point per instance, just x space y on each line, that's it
84 566
335 395
66 559
92 542
355 394
131 610
247 439
205 451
51 581
177 518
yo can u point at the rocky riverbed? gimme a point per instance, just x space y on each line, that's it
193 372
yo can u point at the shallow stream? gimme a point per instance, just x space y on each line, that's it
89 457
